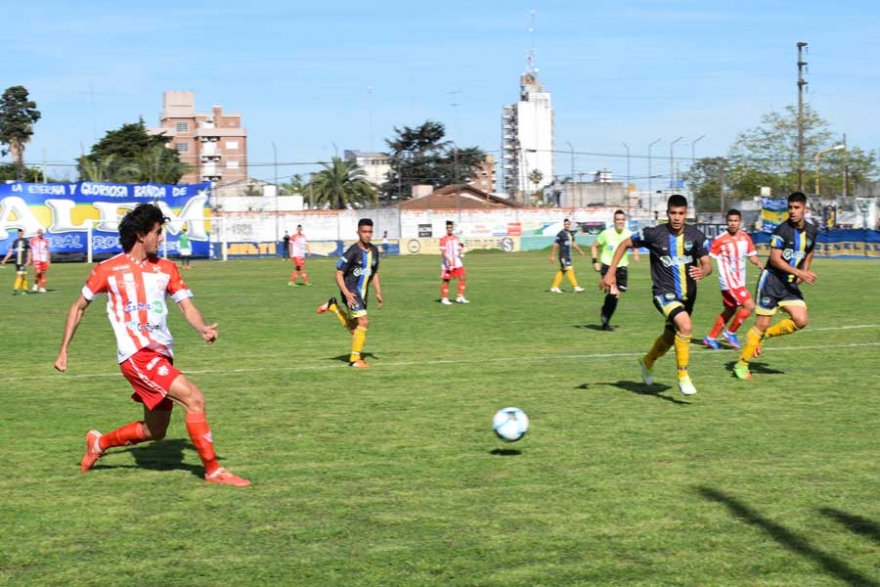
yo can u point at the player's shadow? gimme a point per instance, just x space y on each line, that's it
164 455
761 368
594 327
856 524
345 358
786 538
505 452
655 390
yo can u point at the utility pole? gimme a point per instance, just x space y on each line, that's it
800 118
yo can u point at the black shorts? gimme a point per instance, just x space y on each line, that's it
360 305
670 305
21 268
564 264
620 273
772 293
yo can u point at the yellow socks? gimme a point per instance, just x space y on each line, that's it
682 354
753 339
357 343
661 345
787 326
557 280
571 277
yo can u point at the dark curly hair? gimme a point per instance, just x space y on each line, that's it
139 221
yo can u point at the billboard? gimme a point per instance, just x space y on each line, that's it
66 211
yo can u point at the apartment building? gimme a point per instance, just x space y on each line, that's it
527 138
213 145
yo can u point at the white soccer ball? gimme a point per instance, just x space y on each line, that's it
510 424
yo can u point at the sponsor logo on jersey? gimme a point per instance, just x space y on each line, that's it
676 260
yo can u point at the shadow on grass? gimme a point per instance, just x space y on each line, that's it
788 539
655 390
162 455
856 524
595 327
344 358
760 368
505 452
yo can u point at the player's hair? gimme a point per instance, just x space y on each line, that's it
676 201
298 226
365 222
797 197
450 223
616 212
21 230
139 221
566 220
733 212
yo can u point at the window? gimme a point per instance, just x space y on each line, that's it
232 165
181 127
182 147
232 145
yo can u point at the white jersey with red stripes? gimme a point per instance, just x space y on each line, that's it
450 248
39 250
298 244
730 252
136 306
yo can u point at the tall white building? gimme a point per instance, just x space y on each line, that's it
528 142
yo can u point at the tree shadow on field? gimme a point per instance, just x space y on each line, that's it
788 539
164 455
760 368
856 524
505 452
345 358
655 390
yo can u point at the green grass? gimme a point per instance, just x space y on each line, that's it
392 476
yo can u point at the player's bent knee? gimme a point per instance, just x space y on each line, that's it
187 394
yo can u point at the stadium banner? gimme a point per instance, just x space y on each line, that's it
431 246
65 211
774 211
840 244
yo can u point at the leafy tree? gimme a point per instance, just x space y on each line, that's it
421 155
342 184
12 172
767 155
132 155
18 115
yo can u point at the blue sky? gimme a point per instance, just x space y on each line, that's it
321 77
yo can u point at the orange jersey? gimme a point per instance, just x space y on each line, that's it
450 248
136 301
730 251
39 250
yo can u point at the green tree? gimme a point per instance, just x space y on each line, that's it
18 114
423 156
12 172
342 184
132 155
767 155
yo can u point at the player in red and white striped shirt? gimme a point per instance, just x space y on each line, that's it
136 283
40 258
451 266
299 248
730 250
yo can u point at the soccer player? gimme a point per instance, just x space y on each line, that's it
356 270
608 240
730 250
21 249
562 245
299 248
185 248
451 266
136 283
40 258
678 261
791 255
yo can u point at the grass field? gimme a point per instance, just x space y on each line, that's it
392 476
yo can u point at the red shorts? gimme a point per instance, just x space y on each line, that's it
40 266
299 261
447 274
735 297
151 375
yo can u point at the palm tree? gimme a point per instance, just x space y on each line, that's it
97 171
158 164
341 185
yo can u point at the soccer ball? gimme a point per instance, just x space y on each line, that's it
510 424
